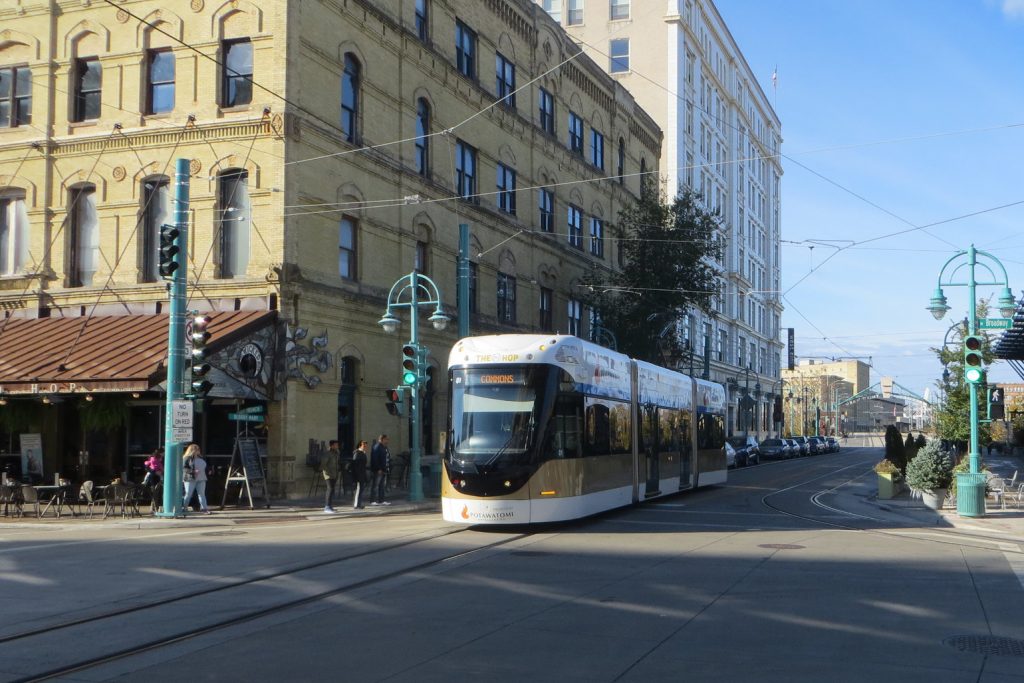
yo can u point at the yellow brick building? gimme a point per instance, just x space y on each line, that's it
334 147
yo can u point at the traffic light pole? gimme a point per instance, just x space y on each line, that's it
176 345
415 448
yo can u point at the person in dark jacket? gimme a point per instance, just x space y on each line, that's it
330 464
380 465
359 475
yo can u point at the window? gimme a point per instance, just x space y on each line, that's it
575 133
15 96
574 221
422 27
506 80
619 55
347 248
234 224
575 309
13 234
546 321
422 257
506 189
156 209
160 76
643 173
620 164
88 81
597 237
236 88
350 98
723 341
465 171
422 139
547 111
597 149
554 8
618 9
506 298
84 252
575 12
546 205
465 50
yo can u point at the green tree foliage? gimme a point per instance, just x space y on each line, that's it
909 447
953 417
894 448
665 258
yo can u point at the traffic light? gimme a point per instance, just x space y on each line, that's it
996 406
421 367
169 251
410 364
973 371
394 404
200 386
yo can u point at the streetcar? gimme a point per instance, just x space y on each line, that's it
545 428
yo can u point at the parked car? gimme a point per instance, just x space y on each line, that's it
730 455
775 449
818 445
803 448
746 450
833 444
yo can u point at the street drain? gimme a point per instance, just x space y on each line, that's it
987 645
224 533
781 546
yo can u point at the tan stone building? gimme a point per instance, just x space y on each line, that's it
812 390
333 149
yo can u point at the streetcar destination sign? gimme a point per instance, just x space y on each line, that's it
995 323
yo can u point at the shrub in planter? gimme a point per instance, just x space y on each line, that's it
885 466
930 470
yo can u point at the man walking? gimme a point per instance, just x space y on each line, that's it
330 463
380 465
359 475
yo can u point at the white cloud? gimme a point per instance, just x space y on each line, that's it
1013 9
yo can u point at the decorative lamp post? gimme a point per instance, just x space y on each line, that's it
970 498
603 336
757 403
412 291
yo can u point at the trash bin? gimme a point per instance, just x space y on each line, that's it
970 494
430 468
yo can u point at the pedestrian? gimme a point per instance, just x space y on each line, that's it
330 464
154 468
193 474
380 465
359 475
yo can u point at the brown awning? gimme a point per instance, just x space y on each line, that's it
102 353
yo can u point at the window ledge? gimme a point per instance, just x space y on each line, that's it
88 123
236 109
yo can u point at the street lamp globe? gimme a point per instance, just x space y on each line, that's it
389 322
439 320
938 305
1007 304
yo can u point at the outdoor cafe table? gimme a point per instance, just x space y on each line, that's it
54 494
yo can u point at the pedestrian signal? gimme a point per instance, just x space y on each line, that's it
394 403
996 405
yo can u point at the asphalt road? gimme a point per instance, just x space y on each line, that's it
783 574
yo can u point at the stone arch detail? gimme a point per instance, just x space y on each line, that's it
147 35
348 351
234 161
576 197
506 155
364 65
506 47
22 45
507 262
82 177
475 248
227 20
80 34
12 183
350 192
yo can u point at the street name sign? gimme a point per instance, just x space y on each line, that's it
181 421
995 323
246 417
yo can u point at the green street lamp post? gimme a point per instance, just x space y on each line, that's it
970 498
412 291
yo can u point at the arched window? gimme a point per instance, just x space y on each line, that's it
347 405
156 210
350 84
233 224
84 236
620 166
347 233
87 76
13 232
422 139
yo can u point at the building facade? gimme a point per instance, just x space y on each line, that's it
334 148
722 140
816 391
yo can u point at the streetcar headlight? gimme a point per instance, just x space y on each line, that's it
508 484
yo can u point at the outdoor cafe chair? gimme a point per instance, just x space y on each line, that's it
122 496
29 496
87 497
10 496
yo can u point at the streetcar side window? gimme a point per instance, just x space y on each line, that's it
607 427
710 431
565 431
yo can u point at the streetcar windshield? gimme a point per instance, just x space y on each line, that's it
494 412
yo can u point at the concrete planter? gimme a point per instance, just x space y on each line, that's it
933 499
888 486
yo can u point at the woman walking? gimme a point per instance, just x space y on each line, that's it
193 474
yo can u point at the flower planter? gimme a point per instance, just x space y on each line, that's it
933 498
888 486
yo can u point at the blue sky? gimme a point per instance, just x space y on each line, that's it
858 80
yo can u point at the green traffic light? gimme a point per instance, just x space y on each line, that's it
973 375
409 378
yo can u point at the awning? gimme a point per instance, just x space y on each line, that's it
102 353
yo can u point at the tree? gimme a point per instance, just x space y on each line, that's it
666 257
894 448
